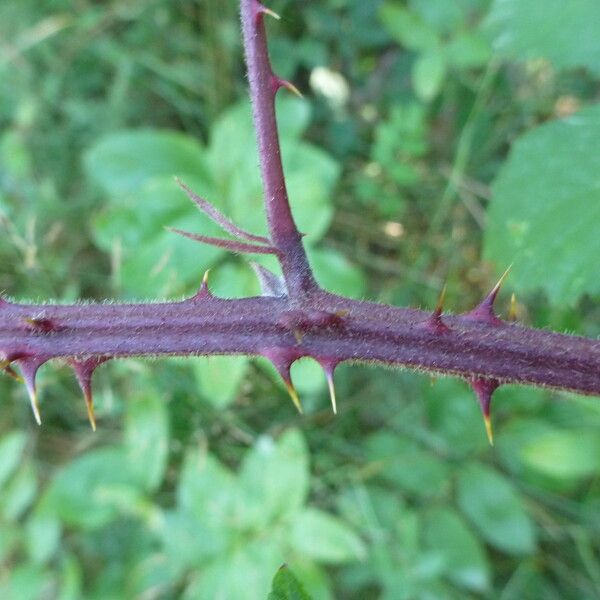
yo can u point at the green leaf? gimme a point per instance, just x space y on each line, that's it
220 377
147 439
568 36
468 50
285 586
336 273
407 28
87 491
123 162
206 489
19 493
464 559
42 537
245 573
546 209
566 454
325 538
11 451
428 74
495 508
273 479
402 462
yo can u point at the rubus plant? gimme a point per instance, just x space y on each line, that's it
294 317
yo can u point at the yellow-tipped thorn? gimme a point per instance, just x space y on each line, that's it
205 278
440 304
512 313
89 403
331 386
291 88
488 429
35 407
501 281
298 335
271 13
294 396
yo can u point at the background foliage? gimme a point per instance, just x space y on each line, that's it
440 140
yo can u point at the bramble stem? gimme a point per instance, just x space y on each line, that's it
368 333
263 89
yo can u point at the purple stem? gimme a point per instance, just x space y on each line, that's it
263 89
255 326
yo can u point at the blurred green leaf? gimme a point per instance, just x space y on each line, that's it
428 74
220 377
206 488
407 28
318 535
405 464
336 273
147 439
464 558
567 35
246 573
546 209
82 493
20 493
11 450
42 537
566 454
122 163
285 586
496 509
274 478
468 50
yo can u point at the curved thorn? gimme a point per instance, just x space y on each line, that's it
232 245
485 310
29 367
204 291
435 321
84 370
288 85
218 217
293 395
484 389
267 11
331 386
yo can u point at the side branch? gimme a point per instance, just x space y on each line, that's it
264 85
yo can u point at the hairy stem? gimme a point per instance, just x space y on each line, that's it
264 85
255 326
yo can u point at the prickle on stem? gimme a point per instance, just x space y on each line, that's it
484 388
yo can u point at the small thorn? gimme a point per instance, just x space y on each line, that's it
29 367
435 321
267 11
298 335
342 313
204 291
512 313
331 386
488 429
440 305
293 395
485 311
84 369
484 388
288 86
497 287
